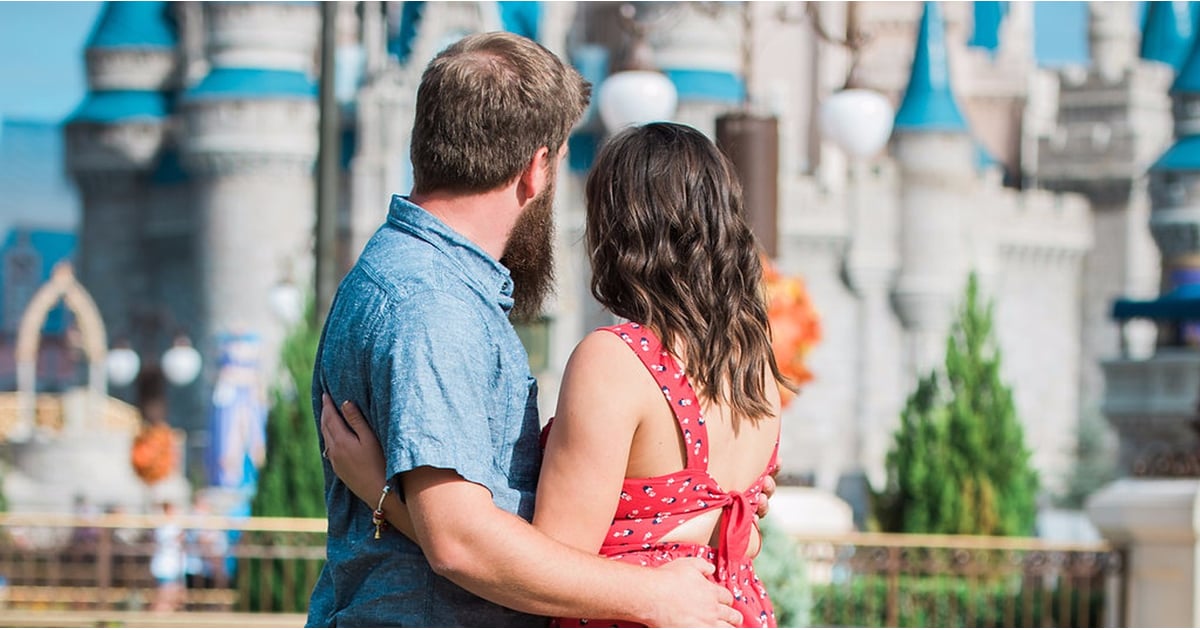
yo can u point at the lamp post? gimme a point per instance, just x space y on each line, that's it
859 122
325 231
749 137
287 302
179 365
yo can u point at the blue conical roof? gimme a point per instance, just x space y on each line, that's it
522 18
401 42
133 25
1168 31
1188 79
989 14
1184 154
253 84
928 103
114 106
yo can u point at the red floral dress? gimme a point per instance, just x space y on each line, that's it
651 508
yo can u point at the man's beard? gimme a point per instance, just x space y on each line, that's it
529 256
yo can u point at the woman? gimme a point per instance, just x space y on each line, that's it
658 416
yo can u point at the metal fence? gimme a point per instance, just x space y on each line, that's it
115 563
890 580
89 571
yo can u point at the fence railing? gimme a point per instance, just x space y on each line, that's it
76 566
51 562
891 580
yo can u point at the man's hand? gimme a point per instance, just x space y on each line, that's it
768 491
689 600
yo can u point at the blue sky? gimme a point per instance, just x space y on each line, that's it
42 77
41 48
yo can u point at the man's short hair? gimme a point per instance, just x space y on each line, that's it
485 105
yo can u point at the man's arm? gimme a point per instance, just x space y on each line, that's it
432 365
357 459
500 557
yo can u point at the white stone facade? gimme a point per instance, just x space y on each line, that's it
884 246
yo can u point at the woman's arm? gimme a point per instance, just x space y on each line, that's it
357 459
587 454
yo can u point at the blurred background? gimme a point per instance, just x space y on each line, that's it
983 227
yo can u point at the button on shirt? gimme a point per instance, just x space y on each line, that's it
418 336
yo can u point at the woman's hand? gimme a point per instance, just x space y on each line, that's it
353 450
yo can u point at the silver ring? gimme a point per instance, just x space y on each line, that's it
325 453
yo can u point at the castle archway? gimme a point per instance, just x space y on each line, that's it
64 287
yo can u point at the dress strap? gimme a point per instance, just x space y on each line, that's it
675 386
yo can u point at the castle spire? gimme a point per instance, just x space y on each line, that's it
1175 208
130 63
1187 82
133 25
1184 154
113 139
928 103
1168 31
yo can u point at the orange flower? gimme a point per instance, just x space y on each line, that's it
155 454
795 325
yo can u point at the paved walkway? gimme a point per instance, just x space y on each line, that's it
141 619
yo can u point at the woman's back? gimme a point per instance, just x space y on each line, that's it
739 451
669 503
649 460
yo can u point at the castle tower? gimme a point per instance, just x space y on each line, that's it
1175 198
936 156
1112 123
112 141
1152 400
248 145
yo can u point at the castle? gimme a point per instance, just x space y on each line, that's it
194 153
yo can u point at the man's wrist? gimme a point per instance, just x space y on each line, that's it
643 608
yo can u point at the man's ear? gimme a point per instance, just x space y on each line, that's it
536 175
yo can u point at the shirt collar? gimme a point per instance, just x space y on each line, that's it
480 267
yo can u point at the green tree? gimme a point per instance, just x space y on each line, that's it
959 464
292 482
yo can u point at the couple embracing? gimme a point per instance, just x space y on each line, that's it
651 474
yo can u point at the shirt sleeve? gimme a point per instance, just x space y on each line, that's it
432 377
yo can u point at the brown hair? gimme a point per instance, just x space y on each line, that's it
670 249
485 105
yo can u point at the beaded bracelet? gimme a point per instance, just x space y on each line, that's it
377 517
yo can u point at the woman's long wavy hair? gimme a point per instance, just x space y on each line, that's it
671 249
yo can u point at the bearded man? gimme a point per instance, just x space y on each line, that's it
419 336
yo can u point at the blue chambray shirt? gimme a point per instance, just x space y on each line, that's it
418 336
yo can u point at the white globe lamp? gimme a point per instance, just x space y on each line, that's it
636 97
122 365
286 302
181 363
858 121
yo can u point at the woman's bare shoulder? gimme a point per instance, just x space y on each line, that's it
602 348
602 358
